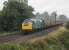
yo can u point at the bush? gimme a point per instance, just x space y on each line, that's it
10 47
42 46
67 25
29 46
64 39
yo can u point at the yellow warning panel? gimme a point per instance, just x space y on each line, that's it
27 26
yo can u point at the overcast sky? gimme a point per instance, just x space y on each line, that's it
61 6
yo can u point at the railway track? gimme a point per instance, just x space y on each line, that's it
22 38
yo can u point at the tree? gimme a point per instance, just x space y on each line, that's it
63 18
17 9
54 14
14 13
53 17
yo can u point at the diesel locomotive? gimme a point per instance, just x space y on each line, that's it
30 25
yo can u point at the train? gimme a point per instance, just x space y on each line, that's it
34 24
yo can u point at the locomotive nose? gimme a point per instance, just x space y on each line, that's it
27 26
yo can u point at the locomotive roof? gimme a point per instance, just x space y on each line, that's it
33 19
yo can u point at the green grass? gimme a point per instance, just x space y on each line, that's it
7 33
